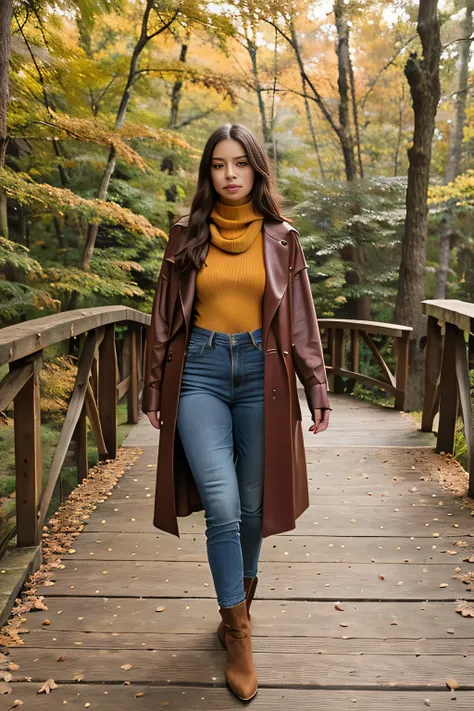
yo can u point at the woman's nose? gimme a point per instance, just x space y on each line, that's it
230 171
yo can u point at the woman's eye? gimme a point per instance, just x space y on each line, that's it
243 163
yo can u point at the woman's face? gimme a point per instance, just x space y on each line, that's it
231 172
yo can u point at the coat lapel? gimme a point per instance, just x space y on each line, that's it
276 250
276 256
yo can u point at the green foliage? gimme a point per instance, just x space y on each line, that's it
368 215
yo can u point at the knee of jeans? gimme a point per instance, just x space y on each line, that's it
217 529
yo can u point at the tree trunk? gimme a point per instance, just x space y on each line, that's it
167 164
455 152
119 122
176 91
423 78
444 247
6 7
343 79
455 149
252 50
294 38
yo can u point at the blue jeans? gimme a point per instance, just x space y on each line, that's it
221 427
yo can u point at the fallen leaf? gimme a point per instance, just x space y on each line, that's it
11 666
61 659
39 605
126 667
45 623
452 684
338 607
465 609
139 694
451 631
443 585
47 687
4 688
16 703
451 552
160 609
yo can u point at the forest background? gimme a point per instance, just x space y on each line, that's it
110 104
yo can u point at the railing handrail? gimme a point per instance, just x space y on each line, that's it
380 327
459 313
31 336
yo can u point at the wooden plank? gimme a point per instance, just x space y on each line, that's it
432 368
80 437
448 392
282 548
132 401
130 516
321 581
401 346
308 670
73 413
379 327
44 639
189 698
454 311
464 392
270 617
96 427
108 376
123 387
28 460
13 382
33 335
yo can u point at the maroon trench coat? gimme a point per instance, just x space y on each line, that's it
292 344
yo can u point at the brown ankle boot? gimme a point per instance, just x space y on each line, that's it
250 585
239 669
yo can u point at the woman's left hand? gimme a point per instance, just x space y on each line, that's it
321 421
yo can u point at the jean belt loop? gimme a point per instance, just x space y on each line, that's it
252 339
211 339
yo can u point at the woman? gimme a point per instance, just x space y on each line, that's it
233 320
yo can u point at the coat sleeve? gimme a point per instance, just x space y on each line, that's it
306 340
157 339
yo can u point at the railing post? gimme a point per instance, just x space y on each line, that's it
448 405
355 350
80 439
28 461
132 393
337 360
432 367
108 372
401 369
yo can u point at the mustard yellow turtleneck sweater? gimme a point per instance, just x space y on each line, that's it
231 283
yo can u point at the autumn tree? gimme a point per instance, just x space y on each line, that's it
422 73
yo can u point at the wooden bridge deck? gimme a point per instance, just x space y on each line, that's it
355 608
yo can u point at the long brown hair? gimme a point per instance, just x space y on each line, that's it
265 198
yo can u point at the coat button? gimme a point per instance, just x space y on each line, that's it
161 422
285 352
284 242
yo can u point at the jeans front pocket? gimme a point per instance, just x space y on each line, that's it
195 348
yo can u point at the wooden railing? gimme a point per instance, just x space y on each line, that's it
100 382
342 343
449 357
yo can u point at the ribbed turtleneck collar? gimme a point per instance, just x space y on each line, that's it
234 228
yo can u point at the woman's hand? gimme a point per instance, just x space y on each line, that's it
321 421
154 418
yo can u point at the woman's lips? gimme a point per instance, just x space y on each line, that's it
232 188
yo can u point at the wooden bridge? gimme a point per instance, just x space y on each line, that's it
367 604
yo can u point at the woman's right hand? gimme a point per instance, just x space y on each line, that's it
154 418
